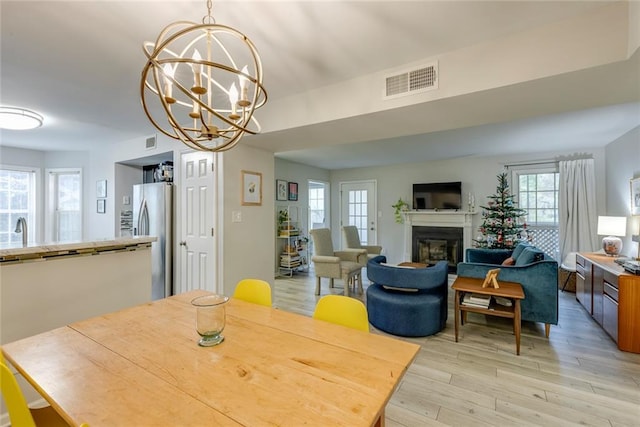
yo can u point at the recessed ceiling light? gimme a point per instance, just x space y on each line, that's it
15 118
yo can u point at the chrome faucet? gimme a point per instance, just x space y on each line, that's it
21 227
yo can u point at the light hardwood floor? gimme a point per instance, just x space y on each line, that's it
577 376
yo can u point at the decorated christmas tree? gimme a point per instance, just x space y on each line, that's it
502 221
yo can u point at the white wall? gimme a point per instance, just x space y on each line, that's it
247 246
510 59
623 164
103 165
478 176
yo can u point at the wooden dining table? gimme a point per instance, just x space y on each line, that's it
142 366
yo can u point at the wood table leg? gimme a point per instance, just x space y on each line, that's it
456 310
380 421
516 325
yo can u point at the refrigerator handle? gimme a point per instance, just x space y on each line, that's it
143 219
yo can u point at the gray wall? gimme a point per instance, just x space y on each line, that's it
478 176
623 164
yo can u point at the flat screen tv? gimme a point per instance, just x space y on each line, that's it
439 195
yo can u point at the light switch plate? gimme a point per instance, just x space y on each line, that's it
236 216
126 200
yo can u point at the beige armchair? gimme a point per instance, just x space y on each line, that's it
345 265
352 241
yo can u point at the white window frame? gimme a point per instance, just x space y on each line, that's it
34 224
51 227
515 184
539 227
327 198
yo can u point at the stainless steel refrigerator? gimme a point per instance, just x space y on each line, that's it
152 216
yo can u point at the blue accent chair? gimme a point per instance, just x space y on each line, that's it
409 302
534 270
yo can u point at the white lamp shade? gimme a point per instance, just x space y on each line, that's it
612 225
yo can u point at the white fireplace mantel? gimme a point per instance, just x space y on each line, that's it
461 219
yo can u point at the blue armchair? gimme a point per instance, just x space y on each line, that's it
534 270
410 302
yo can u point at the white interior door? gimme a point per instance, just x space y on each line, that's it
197 237
358 206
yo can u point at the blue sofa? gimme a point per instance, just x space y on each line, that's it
410 302
534 270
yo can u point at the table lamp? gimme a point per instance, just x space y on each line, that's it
612 226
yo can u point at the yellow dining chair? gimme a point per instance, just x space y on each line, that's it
19 413
253 290
343 311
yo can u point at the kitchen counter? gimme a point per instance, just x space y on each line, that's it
51 250
43 287
47 286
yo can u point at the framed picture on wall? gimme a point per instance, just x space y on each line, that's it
101 188
635 196
293 191
281 189
251 188
101 206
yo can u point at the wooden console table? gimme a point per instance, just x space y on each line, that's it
611 296
512 291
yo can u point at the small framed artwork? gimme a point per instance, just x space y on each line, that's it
101 206
251 188
293 191
101 188
491 279
281 189
635 196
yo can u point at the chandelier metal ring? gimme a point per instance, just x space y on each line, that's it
195 96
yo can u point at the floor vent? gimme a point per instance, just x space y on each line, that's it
150 143
413 81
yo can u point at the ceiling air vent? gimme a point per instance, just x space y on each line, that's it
150 143
412 81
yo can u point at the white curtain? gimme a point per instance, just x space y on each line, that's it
577 206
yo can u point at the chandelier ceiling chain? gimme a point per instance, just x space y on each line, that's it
208 18
207 102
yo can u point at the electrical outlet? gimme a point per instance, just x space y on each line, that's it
236 216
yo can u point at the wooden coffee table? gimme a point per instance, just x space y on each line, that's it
510 290
413 264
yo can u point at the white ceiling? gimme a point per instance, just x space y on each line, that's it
78 63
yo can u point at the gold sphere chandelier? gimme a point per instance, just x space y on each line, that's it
193 74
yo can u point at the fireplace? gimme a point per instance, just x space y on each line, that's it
438 225
432 244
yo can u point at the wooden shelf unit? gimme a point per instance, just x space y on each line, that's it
611 296
291 243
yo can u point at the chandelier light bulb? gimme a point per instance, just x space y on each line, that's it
244 89
195 111
233 99
168 84
197 71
